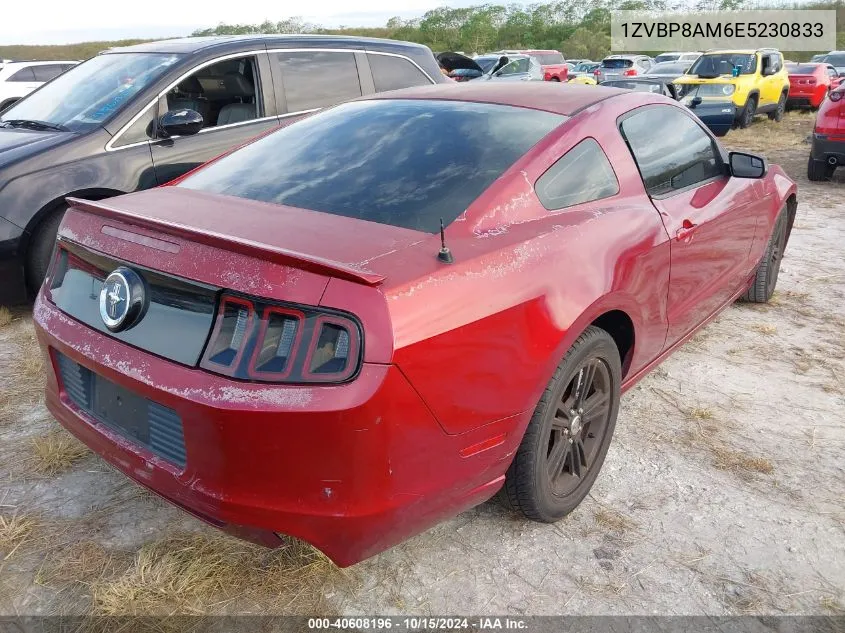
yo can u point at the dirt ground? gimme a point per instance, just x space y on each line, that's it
722 492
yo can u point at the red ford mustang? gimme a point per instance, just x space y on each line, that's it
282 343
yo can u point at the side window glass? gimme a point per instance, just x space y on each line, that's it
46 72
393 73
681 156
316 79
581 175
224 93
140 131
24 74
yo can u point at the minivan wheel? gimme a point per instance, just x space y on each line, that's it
566 441
41 248
749 112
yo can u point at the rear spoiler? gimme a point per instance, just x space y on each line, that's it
258 250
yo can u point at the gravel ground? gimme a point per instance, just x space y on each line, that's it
722 492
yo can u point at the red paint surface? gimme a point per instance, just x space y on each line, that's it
830 118
813 86
455 356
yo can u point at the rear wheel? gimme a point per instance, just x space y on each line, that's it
567 438
766 277
747 117
777 115
555 79
818 170
41 248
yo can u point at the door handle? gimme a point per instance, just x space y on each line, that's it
686 231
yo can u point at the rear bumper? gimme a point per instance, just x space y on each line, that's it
826 147
352 469
12 284
804 100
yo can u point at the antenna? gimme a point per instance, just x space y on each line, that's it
445 255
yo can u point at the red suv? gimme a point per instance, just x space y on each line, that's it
553 63
828 149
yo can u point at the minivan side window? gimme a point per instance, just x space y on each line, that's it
317 79
24 74
583 174
681 156
46 72
392 73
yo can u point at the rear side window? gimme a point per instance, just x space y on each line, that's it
24 74
47 72
316 79
671 150
581 175
393 73
394 161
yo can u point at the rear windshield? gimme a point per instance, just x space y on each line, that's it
402 162
617 63
547 59
667 57
801 69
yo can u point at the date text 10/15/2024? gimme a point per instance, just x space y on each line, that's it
423 623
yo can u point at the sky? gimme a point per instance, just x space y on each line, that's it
63 22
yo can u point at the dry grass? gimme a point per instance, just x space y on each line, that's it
15 530
81 562
829 603
199 574
56 452
766 136
701 413
765 328
610 519
5 316
737 461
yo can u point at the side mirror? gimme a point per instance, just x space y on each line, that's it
747 165
179 123
696 101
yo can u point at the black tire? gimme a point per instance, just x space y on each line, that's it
818 170
530 485
41 248
777 115
554 79
766 277
747 117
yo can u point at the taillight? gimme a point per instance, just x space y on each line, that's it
596 72
630 72
256 340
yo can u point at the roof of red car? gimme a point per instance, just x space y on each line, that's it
539 95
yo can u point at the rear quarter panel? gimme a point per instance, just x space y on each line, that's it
480 339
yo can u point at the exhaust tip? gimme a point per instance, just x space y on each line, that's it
831 160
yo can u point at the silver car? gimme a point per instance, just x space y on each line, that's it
621 66
519 68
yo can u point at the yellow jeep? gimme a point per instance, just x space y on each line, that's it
756 81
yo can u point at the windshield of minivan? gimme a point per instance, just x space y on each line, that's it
88 94
716 64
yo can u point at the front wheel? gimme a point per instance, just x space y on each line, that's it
748 113
777 115
567 439
766 277
41 248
